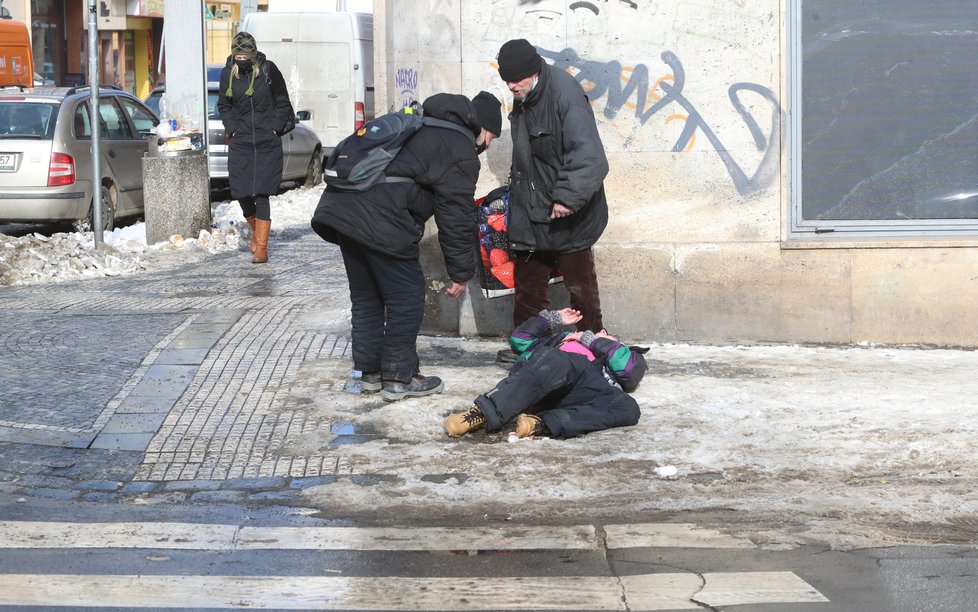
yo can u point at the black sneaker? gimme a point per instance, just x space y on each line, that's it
370 383
506 355
418 387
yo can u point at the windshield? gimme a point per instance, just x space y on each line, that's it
212 112
22 119
153 102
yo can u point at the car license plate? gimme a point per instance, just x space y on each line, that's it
7 162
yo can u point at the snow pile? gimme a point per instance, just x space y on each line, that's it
34 258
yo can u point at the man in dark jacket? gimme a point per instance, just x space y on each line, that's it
379 232
255 109
557 202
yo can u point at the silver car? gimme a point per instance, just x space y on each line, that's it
302 152
46 159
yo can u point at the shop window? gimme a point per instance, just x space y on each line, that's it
883 131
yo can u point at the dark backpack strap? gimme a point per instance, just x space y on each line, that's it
441 123
449 125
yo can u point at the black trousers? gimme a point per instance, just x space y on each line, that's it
569 393
387 296
258 205
531 273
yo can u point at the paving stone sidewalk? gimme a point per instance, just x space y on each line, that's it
173 381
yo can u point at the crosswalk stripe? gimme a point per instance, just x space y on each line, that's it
640 593
679 535
201 536
715 589
197 536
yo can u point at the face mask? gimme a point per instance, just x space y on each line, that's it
243 65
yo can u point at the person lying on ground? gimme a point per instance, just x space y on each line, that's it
562 385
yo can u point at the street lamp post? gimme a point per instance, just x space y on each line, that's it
93 85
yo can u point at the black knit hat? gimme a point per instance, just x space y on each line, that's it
244 44
488 109
518 59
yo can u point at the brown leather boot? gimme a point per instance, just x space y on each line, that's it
251 222
261 240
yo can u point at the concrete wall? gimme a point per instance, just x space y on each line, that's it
689 100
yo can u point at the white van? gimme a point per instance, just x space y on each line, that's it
327 59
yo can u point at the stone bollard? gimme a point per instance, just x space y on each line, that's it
176 196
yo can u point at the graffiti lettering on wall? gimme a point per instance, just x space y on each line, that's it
593 7
578 20
604 80
406 82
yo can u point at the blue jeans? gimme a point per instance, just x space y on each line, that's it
387 296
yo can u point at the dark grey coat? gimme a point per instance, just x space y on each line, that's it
254 124
557 157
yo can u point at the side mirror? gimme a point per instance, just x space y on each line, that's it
303 115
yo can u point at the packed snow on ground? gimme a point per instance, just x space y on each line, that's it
787 445
35 258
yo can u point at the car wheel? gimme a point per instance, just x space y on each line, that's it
314 174
108 213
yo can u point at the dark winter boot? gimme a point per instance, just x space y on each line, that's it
370 383
262 228
506 356
463 422
251 222
419 386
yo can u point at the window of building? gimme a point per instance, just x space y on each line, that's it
129 67
884 117
47 39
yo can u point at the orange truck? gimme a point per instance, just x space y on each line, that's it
16 61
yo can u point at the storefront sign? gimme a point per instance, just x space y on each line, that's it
144 8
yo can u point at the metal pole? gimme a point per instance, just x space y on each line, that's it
93 85
159 61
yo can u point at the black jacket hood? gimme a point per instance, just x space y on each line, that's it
455 108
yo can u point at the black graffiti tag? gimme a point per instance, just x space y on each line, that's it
606 79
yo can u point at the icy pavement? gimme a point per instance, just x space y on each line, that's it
850 446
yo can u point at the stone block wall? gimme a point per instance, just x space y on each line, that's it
689 98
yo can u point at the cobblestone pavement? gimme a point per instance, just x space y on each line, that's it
170 382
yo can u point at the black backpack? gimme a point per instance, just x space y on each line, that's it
359 160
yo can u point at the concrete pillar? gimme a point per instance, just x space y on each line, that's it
176 187
176 196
